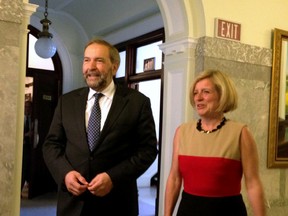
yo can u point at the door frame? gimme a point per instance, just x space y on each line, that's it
32 72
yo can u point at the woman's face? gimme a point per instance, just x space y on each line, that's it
206 98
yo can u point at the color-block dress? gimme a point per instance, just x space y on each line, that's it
210 165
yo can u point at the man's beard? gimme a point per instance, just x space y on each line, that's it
99 84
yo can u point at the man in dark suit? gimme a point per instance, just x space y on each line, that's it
101 181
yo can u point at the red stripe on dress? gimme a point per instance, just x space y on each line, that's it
210 176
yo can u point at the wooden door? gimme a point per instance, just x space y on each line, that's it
45 96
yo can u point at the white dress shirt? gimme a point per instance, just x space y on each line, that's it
104 102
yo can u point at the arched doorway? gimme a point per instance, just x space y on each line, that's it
43 87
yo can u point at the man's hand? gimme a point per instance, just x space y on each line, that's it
101 185
75 183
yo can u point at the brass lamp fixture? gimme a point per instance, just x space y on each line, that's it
44 46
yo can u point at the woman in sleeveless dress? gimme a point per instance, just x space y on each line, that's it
211 155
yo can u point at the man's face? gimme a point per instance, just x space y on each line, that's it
98 70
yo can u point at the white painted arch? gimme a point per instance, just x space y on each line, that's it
184 22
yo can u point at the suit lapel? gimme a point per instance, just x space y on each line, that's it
80 107
117 106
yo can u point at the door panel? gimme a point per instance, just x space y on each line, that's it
152 89
45 97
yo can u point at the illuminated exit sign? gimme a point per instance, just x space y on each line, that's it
227 29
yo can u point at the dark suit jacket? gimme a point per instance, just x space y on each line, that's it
127 147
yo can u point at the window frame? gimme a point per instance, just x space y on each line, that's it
132 79
130 47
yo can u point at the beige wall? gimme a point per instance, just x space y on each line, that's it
257 17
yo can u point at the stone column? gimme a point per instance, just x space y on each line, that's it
14 18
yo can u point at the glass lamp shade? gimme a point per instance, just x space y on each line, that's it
45 47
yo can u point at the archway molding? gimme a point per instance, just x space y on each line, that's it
184 23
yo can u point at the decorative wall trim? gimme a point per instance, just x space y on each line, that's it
234 51
11 12
178 46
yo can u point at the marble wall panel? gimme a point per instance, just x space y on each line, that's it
11 10
10 15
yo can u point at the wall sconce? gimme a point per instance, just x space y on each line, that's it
44 46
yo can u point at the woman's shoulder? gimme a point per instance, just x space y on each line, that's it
232 124
187 125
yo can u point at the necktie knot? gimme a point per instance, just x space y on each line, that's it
97 97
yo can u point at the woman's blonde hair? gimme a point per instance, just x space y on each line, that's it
224 86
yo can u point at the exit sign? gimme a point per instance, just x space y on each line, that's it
227 29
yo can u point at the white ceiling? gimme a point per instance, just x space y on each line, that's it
100 17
